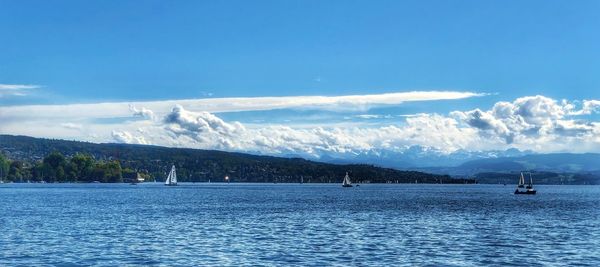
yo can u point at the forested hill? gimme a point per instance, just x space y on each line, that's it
193 164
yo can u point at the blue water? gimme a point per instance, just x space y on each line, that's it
303 225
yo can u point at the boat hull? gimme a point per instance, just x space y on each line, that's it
346 185
532 192
170 184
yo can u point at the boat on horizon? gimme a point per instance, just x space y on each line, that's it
172 177
347 182
528 189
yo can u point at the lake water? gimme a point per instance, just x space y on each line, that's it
297 225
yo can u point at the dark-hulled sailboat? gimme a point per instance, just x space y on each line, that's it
523 189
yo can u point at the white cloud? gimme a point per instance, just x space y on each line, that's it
589 107
17 86
143 112
373 116
203 127
72 126
528 123
216 105
185 128
16 89
128 138
535 121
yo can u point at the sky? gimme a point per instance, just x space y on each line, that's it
308 78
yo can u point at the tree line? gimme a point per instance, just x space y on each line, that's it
38 159
55 167
82 167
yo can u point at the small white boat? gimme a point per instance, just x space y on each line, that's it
172 177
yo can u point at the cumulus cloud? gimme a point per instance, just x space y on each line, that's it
142 113
536 122
531 118
589 107
128 138
16 89
205 130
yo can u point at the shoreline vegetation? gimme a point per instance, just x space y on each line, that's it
24 159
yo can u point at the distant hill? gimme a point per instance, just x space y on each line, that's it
418 156
556 168
203 165
555 162
562 162
539 177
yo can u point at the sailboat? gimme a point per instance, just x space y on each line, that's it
521 181
346 182
528 188
172 177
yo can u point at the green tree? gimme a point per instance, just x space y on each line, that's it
37 172
53 168
55 159
81 167
4 166
48 173
60 174
114 172
15 172
108 172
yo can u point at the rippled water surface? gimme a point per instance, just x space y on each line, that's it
304 225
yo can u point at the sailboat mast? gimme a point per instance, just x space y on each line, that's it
530 179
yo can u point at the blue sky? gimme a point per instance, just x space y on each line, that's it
134 51
165 49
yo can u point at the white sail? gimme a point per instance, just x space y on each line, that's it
172 177
168 180
346 180
522 180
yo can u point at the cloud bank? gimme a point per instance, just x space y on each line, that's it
529 123
535 123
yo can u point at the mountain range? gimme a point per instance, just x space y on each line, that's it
467 163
